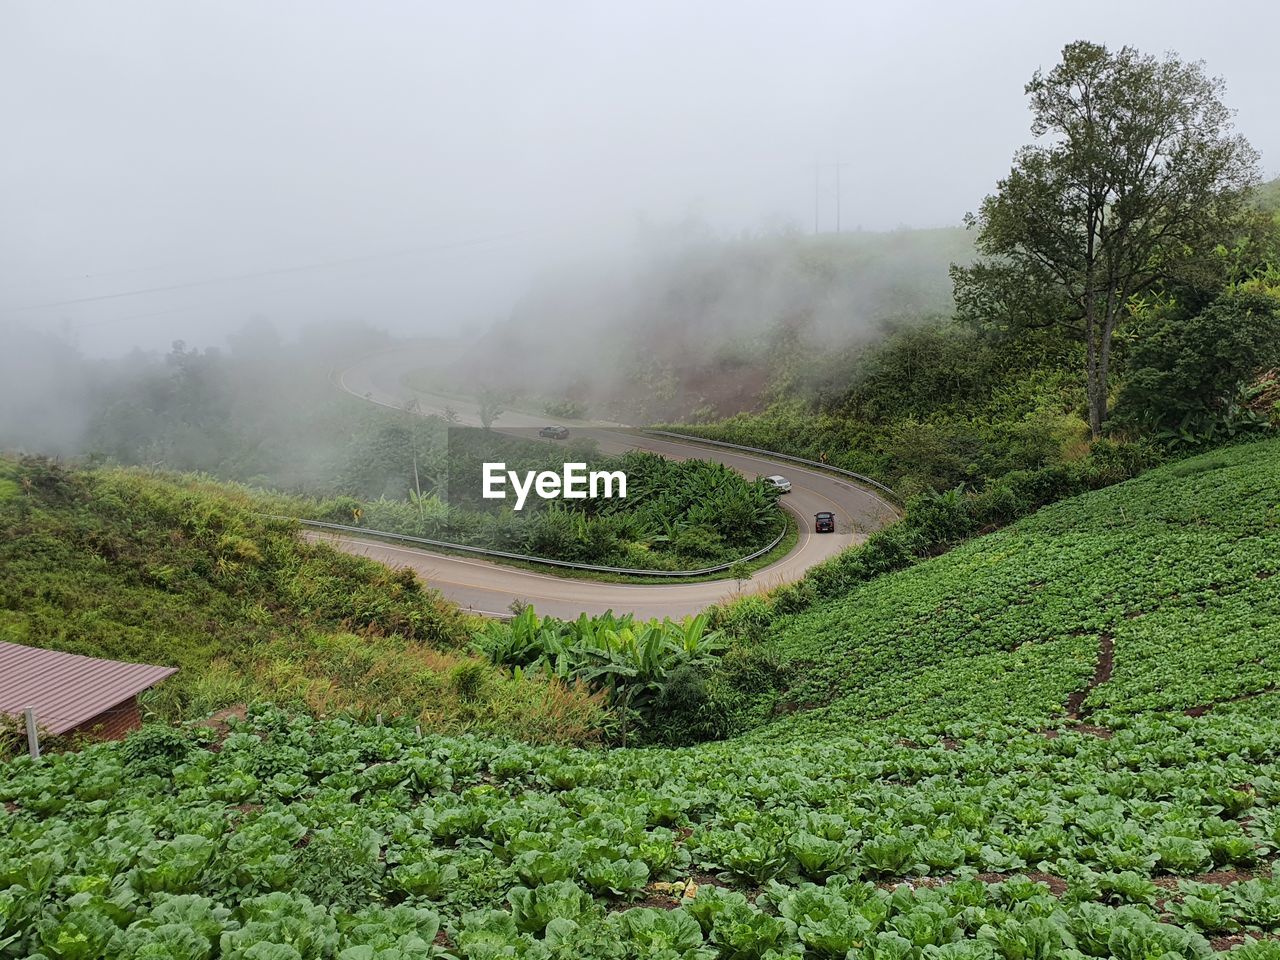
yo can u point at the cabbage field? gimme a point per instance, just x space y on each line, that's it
1163 587
296 838
1058 741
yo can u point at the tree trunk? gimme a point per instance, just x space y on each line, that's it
1104 359
1093 368
1097 400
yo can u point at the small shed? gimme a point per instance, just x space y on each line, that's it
70 693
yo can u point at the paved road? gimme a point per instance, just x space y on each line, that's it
491 588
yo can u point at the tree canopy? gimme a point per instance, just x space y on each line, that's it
1136 180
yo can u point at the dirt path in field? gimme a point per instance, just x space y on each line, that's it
1204 708
1101 674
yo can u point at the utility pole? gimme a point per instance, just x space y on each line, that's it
838 193
817 181
839 166
33 737
817 191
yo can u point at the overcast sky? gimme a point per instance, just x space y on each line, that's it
414 164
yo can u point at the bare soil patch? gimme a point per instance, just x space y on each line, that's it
1101 674
1231 941
1219 878
220 724
1204 708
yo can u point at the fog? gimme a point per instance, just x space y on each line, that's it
171 169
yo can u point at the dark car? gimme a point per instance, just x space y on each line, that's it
824 522
554 433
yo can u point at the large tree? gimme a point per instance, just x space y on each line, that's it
1136 179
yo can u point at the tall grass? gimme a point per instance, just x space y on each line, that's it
182 571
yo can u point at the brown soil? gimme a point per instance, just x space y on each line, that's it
652 900
1231 941
218 722
727 390
1269 396
1057 886
1102 733
708 880
1101 674
1204 708
1220 878
1223 944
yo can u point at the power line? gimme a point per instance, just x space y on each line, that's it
272 273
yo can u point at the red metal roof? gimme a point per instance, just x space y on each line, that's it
66 689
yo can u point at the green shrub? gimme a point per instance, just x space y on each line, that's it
647 670
1187 373
155 748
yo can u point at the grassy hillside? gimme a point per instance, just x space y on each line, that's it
1059 741
154 568
1146 571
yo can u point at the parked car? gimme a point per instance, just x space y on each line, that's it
824 522
781 484
554 433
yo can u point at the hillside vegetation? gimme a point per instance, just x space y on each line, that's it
928 406
677 515
183 572
1062 737
1164 583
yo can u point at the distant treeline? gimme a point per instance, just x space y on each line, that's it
262 411
265 413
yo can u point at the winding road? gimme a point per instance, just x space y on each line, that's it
491 588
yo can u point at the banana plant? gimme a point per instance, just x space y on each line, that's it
630 661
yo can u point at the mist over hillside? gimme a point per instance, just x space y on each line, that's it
694 325
261 409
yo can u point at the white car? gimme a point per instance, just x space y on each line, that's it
779 483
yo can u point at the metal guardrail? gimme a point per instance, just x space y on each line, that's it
568 564
774 455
